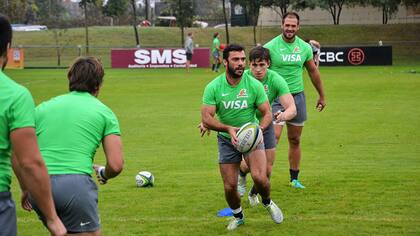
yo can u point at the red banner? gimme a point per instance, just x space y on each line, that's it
158 58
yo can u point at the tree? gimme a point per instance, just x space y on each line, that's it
252 9
283 5
334 7
115 8
183 10
84 4
15 9
136 33
389 8
226 21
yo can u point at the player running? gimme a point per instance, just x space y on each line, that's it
276 88
235 98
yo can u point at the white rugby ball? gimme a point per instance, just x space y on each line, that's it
249 136
145 179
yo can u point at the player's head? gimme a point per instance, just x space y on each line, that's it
5 39
190 34
234 60
259 61
215 35
290 25
86 75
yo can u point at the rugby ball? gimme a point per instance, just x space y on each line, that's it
249 136
145 179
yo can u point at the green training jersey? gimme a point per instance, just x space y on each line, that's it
274 86
235 105
16 111
70 128
216 44
288 60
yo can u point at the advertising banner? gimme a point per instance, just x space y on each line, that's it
158 58
15 58
355 56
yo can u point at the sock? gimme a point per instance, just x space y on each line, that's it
253 190
217 66
266 201
242 174
213 67
237 213
293 174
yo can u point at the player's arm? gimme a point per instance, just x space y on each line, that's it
266 117
209 121
288 103
316 81
112 146
31 171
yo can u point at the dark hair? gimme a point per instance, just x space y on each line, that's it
215 34
259 53
85 75
189 33
5 34
291 14
232 48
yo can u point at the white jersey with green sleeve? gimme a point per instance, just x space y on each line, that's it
235 105
288 59
16 111
274 86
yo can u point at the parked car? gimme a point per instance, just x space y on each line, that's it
220 26
23 27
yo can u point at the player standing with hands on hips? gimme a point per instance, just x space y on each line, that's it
70 128
289 54
235 98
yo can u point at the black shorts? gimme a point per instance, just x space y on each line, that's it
189 56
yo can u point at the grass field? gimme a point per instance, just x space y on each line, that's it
361 156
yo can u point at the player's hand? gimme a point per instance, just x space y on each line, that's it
100 173
279 116
203 129
232 132
320 105
24 201
56 227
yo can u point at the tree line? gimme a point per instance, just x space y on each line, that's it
94 12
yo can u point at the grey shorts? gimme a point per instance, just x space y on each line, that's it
215 54
189 56
228 153
269 137
300 102
76 202
7 215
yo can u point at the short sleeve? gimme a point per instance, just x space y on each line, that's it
261 95
22 111
111 124
308 53
209 96
281 85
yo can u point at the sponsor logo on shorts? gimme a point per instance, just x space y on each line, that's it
84 223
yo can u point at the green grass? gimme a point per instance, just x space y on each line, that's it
403 38
360 161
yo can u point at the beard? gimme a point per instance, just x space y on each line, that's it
235 73
289 37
